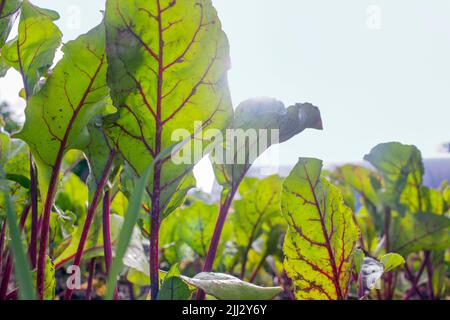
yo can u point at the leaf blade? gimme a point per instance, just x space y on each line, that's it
322 236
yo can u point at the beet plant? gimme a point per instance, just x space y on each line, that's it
397 213
98 195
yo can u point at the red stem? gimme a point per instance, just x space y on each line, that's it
430 272
154 255
45 227
414 280
91 269
2 241
155 223
258 267
90 216
388 288
6 277
214 244
107 246
34 215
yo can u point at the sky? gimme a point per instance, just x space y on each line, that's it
378 70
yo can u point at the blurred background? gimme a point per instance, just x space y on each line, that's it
379 70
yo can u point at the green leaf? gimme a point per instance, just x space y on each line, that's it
197 227
371 270
32 52
402 170
226 287
358 260
361 180
173 246
273 239
73 196
17 166
134 257
440 270
251 118
57 116
322 235
168 63
119 204
416 232
446 196
21 266
392 261
8 13
173 287
126 231
99 152
50 281
3 66
259 203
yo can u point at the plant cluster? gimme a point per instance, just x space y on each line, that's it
92 205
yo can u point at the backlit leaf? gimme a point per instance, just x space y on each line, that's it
57 117
173 287
402 170
392 261
50 281
259 123
361 180
322 236
259 203
32 51
8 12
197 226
416 232
168 63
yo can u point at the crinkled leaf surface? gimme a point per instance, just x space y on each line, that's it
168 63
33 50
371 273
57 117
250 119
422 231
226 287
322 235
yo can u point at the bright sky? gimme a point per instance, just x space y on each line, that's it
379 70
